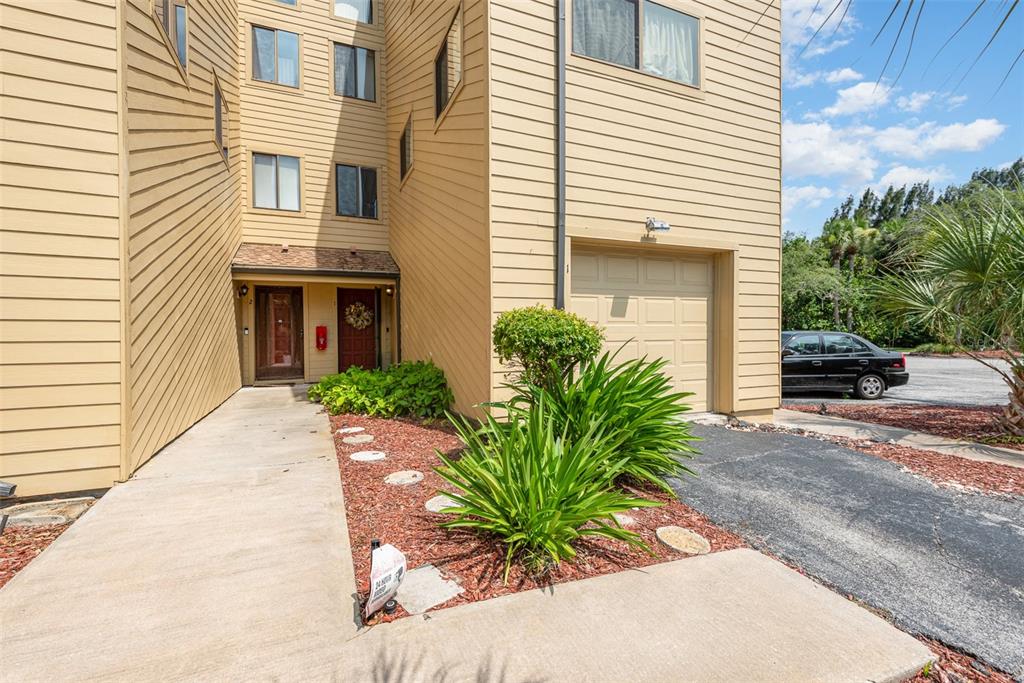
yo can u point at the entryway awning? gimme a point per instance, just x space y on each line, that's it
280 259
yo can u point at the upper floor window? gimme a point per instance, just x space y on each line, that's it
357 10
405 149
173 16
275 182
355 72
293 3
638 34
356 188
448 65
275 56
219 119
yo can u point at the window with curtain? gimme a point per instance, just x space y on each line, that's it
639 34
405 149
275 182
356 188
355 72
275 56
356 10
448 65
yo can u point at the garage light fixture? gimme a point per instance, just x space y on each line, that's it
655 225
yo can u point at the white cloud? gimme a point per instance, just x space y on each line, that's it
818 149
930 138
842 75
800 19
915 101
865 96
955 101
810 196
908 175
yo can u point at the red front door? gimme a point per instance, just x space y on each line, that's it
358 324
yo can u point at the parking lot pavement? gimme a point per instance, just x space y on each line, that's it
933 381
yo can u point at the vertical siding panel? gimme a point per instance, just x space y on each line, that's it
59 314
439 215
184 224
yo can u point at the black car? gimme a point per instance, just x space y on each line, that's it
839 361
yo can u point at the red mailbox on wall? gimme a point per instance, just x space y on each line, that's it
321 337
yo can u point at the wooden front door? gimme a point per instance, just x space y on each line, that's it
357 343
279 333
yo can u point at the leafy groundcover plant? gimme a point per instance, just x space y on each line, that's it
633 402
537 490
415 388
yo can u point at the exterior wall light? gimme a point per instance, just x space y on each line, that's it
389 290
242 291
654 225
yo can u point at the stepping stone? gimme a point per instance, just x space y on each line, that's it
404 478
368 456
423 588
623 519
438 503
683 540
351 430
57 511
357 439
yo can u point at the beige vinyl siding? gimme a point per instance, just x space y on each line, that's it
311 123
184 224
709 163
59 246
439 215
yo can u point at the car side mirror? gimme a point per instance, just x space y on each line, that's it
787 352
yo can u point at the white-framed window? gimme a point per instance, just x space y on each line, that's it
275 56
220 118
405 149
355 72
173 16
639 34
355 190
448 65
356 10
276 182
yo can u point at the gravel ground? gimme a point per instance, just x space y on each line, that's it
944 563
933 381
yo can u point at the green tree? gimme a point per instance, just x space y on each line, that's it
967 283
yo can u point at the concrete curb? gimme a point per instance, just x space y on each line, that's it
851 429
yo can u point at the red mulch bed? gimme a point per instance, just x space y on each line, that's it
971 423
955 667
396 515
19 545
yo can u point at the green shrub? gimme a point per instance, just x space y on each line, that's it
633 402
934 347
536 490
411 388
546 343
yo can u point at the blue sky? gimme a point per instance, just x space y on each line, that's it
842 133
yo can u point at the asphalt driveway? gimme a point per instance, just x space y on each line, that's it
941 562
933 381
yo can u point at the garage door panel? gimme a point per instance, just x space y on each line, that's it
657 306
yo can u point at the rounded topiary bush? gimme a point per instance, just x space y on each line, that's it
546 343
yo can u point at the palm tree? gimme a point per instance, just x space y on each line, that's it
861 240
838 235
969 276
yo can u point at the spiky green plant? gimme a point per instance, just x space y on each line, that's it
535 489
633 401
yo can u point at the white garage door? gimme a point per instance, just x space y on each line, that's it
659 306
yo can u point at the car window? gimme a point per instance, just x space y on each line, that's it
804 344
842 343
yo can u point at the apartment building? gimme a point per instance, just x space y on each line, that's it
197 195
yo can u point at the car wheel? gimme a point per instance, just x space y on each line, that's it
870 387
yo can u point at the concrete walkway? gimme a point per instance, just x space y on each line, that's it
838 426
225 557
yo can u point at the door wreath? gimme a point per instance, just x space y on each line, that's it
358 316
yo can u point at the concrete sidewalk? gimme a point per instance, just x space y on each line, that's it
851 429
225 557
